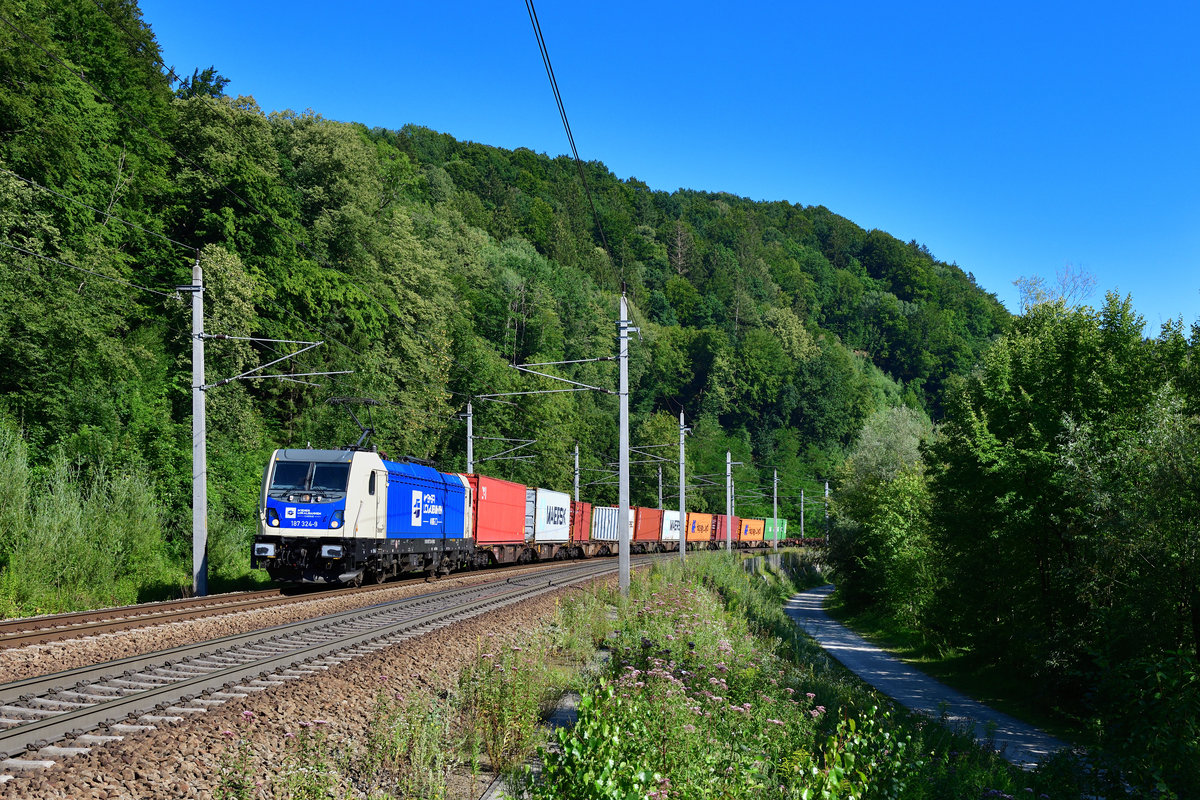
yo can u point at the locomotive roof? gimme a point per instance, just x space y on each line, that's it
304 454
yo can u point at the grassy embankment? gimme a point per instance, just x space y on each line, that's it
709 692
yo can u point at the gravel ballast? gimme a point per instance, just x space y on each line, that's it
185 759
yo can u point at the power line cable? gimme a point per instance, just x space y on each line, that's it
109 215
562 111
88 271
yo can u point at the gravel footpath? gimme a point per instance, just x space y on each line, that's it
185 760
19 663
1022 744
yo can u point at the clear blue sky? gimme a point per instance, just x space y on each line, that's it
1011 138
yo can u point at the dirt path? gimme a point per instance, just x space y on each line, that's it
1022 744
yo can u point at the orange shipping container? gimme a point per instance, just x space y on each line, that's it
752 530
699 527
648 525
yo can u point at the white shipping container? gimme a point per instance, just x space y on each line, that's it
547 516
670 526
605 525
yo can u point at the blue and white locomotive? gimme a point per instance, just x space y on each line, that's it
342 516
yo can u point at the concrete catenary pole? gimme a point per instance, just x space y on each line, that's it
660 488
728 501
775 507
827 512
470 440
801 513
623 328
199 435
576 473
682 496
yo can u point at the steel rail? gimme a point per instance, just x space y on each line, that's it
329 633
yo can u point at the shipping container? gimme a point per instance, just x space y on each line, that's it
648 525
581 521
775 528
670 526
605 525
422 502
547 516
752 530
499 510
699 527
719 530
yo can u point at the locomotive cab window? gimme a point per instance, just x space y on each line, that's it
371 484
330 477
290 475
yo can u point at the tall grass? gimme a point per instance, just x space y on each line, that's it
69 541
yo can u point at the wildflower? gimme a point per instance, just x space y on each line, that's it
809 695
820 709
305 724
689 728
326 722
383 678
814 714
775 721
289 735
247 715
227 733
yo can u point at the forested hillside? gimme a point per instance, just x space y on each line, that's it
427 266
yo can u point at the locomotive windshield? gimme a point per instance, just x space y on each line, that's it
300 476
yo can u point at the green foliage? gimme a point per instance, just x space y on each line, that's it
712 693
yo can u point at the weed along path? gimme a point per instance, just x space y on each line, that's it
1022 744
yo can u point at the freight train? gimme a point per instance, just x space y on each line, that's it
345 516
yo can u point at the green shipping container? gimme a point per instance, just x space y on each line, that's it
776 529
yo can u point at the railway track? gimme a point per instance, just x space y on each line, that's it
42 630
47 718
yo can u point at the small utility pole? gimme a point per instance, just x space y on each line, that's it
775 507
576 473
470 440
801 513
682 495
199 439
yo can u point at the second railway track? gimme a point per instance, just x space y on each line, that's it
46 718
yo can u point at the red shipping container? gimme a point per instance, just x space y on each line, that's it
581 521
647 526
719 522
499 510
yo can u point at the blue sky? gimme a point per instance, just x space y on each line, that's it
1013 139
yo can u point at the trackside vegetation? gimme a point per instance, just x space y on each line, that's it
711 693
1046 531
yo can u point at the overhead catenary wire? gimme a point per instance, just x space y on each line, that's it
169 295
562 111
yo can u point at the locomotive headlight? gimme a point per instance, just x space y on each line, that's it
339 519
272 518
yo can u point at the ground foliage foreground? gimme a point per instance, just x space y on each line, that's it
712 693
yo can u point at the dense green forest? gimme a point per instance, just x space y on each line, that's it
1049 525
428 266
